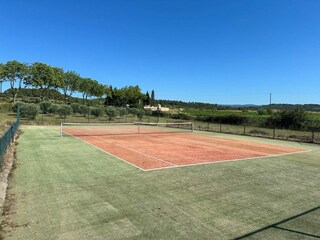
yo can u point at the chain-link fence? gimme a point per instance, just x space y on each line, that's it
7 138
284 134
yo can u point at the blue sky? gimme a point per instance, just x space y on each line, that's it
227 52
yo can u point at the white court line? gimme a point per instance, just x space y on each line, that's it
105 151
187 165
130 149
224 161
158 159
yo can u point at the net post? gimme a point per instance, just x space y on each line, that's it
192 127
60 129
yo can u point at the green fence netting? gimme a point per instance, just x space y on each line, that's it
7 138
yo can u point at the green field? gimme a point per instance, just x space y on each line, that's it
63 188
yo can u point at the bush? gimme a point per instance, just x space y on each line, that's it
269 111
97 112
29 110
262 112
53 109
183 116
75 108
133 111
312 125
84 110
225 119
140 113
122 111
290 119
15 106
111 112
148 112
64 111
44 107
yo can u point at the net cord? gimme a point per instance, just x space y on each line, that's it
138 124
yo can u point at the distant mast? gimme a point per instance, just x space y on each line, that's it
270 99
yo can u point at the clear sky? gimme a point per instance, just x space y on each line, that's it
216 51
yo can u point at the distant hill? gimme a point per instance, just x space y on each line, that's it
33 95
307 107
208 106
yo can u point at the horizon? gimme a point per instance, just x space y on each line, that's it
217 52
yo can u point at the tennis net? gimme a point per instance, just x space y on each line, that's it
96 129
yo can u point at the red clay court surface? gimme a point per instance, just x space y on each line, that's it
167 150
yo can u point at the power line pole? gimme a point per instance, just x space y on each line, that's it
270 99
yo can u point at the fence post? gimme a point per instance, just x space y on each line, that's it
61 130
11 133
312 136
220 127
274 132
208 126
89 114
244 129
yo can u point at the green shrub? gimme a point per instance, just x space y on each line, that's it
122 111
111 112
29 110
16 105
5 107
97 111
53 109
262 112
269 111
84 110
183 116
75 108
224 119
44 107
133 111
290 119
140 113
64 111
148 112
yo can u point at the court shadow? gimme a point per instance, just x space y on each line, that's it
276 226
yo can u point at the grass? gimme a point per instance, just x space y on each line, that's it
62 188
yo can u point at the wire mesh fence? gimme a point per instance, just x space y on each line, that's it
6 139
283 134
274 133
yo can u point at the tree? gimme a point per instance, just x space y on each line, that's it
108 98
13 72
85 87
129 95
44 107
75 108
153 100
122 111
96 89
64 111
29 110
98 111
45 77
84 110
70 83
111 112
53 109
147 99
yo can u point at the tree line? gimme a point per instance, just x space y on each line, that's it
45 78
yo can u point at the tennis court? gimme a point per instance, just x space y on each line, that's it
64 188
150 146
